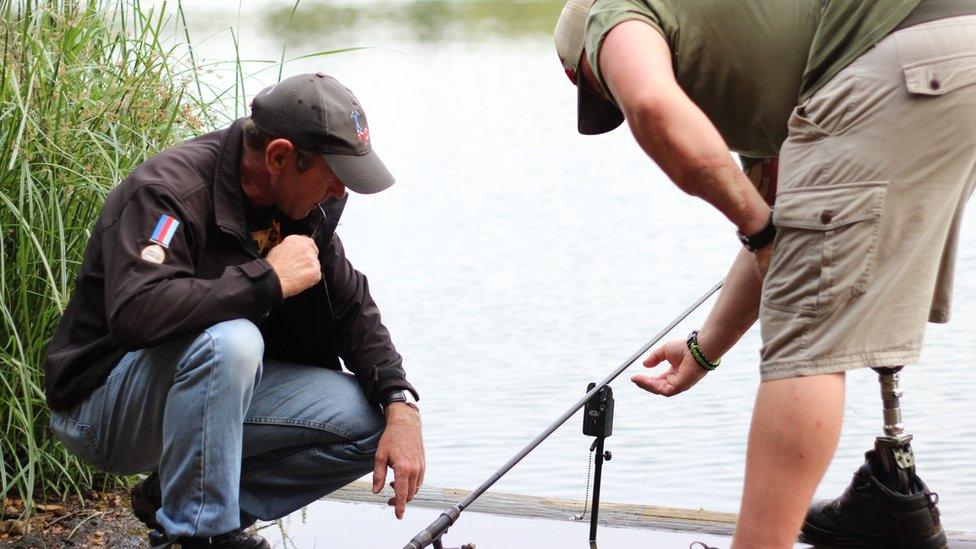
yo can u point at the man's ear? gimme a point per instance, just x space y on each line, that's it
277 155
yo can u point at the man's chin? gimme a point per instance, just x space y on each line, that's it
292 215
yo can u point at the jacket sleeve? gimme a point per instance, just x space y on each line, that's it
364 342
151 299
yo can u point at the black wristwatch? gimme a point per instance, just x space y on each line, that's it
760 240
399 395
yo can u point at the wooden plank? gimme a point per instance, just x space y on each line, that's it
621 515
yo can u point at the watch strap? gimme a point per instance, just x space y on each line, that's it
398 395
760 240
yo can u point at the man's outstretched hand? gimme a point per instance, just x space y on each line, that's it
401 448
682 375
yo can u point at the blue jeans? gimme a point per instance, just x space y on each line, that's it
235 437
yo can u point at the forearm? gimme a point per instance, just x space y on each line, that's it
736 309
172 308
401 412
683 142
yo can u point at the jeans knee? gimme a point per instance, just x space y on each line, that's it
237 348
361 453
375 427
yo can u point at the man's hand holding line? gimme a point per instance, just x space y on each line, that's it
296 262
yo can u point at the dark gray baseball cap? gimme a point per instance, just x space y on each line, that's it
318 114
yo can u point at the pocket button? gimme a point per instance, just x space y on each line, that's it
826 216
935 84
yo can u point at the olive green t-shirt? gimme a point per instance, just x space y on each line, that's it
748 63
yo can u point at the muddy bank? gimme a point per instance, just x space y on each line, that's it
101 519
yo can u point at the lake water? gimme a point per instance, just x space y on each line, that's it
516 260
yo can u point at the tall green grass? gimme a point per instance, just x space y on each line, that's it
87 91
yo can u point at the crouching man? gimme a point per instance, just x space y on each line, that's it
215 301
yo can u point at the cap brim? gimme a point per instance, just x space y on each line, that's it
595 115
365 174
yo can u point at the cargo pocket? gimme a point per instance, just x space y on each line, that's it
825 246
941 75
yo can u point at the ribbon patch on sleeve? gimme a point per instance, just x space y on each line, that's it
165 229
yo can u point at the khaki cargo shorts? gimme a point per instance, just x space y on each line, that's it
873 179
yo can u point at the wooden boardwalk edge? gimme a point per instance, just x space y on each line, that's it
621 515
618 515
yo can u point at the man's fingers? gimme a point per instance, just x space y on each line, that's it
401 488
648 383
655 358
379 472
420 477
654 384
413 487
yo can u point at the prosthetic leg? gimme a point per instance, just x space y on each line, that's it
894 448
886 505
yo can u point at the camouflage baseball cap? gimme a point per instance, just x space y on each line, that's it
595 115
318 114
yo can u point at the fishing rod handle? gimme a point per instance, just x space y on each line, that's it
435 530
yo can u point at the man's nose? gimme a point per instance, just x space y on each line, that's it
336 190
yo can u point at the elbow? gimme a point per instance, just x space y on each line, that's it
126 334
646 114
679 139
124 339
655 127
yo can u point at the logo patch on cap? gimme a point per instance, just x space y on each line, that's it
362 130
153 253
164 231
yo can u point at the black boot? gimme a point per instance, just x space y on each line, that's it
869 514
237 539
146 498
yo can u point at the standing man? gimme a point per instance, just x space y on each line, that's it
215 302
871 110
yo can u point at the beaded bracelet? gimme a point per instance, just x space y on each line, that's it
697 353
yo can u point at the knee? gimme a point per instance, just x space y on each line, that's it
362 421
370 430
236 350
362 451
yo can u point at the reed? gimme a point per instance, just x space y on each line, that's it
88 90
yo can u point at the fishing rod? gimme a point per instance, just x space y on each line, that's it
432 534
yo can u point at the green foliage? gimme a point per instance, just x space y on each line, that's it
88 90
423 20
